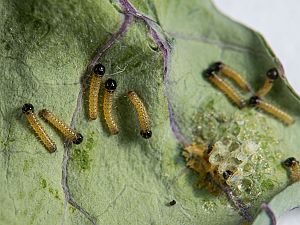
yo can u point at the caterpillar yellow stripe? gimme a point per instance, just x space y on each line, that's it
28 111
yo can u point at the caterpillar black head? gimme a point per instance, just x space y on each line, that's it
209 72
146 134
272 74
110 85
289 162
27 108
99 70
253 100
79 139
217 66
227 174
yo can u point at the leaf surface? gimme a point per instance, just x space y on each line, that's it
45 48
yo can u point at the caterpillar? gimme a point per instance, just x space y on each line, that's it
142 115
272 75
294 168
224 87
28 111
61 126
110 87
95 83
272 110
232 74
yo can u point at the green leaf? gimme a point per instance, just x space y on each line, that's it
281 203
45 49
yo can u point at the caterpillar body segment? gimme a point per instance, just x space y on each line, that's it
142 115
272 110
272 75
223 86
294 168
232 74
61 126
95 83
28 111
110 86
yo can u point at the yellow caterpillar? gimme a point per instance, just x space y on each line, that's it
232 74
272 75
142 114
272 110
294 168
95 83
28 111
61 126
224 87
110 87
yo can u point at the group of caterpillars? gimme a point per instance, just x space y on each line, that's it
62 127
93 103
219 68
197 156
110 87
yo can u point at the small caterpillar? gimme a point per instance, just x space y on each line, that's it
142 115
232 74
110 87
95 84
28 111
294 168
272 110
224 87
272 75
62 127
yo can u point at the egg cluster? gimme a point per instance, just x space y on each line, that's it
244 145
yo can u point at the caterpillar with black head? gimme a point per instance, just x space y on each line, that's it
95 83
232 74
28 111
255 101
142 115
292 164
110 87
62 127
233 96
272 75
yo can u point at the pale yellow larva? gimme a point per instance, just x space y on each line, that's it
272 110
224 87
232 74
142 115
110 87
28 111
272 75
61 126
93 98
